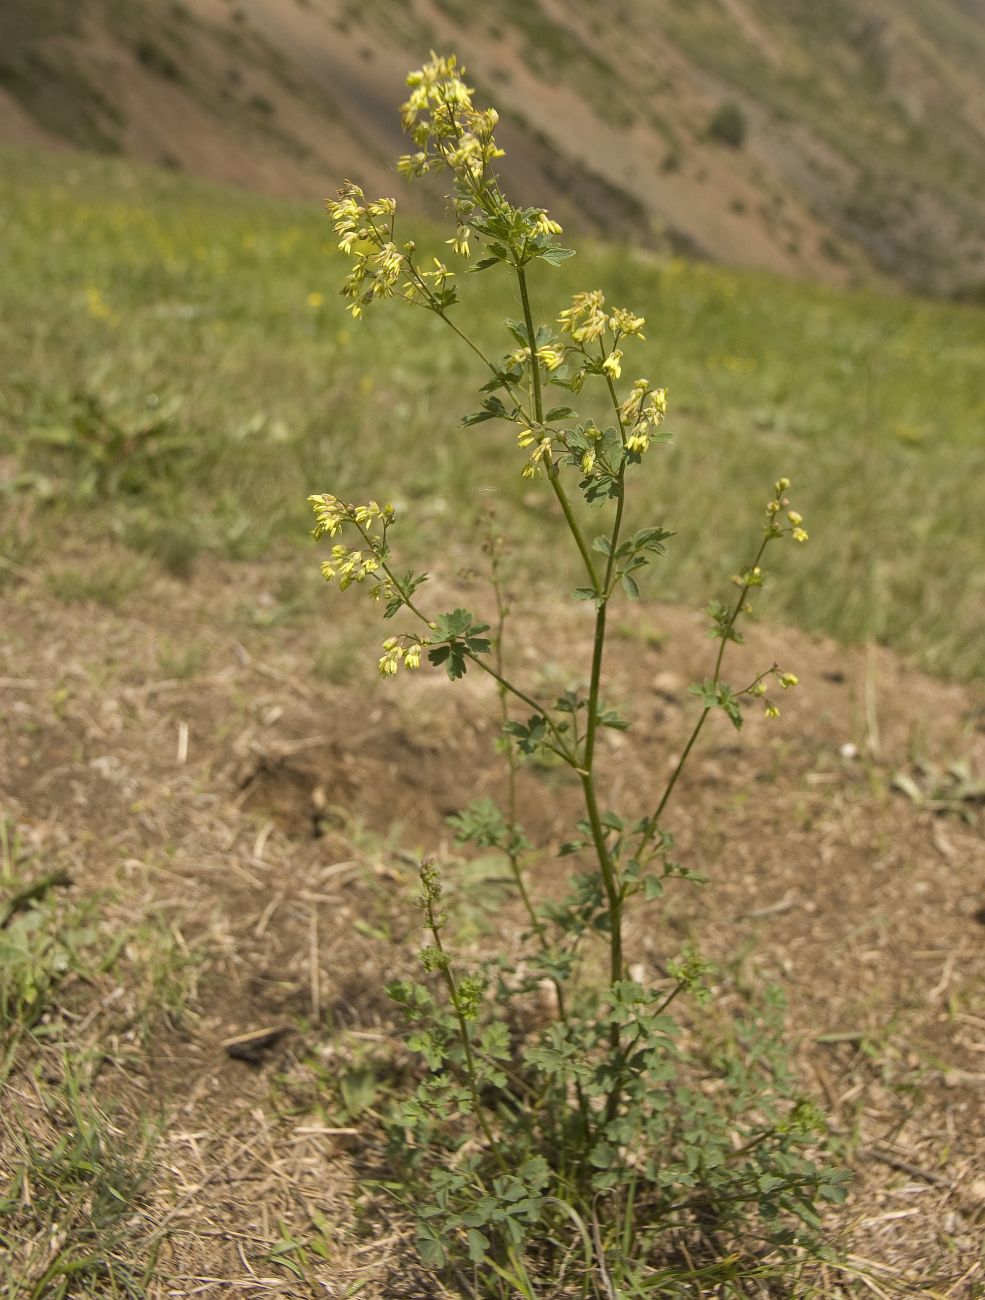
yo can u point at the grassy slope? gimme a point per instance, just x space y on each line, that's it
864 154
164 331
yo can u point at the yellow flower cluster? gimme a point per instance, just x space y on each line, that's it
331 514
586 319
355 222
758 689
441 120
550 356
624 322
399 650
796 520
449 132
544 225
541 452
349 566
642 413
377 268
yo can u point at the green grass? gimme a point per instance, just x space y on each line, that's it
74 1165
167 381
67 1209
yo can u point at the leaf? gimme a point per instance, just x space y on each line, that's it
558 413
495 1041
602 544
651 539
478 1245
519 332
728 702
609 718
430 1249
484 263
530 735
492 409
630 586
706 692
602 1155
457 623
455 665
569 847
555 256
584 593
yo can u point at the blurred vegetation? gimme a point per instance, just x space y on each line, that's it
176 373
728 125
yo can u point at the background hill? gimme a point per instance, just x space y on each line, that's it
843 141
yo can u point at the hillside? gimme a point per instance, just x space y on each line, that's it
844 142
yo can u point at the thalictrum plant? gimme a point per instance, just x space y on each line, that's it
614 1145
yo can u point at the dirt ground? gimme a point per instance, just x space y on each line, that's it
179 756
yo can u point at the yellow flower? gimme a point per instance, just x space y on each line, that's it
98 307
545 226
788 679
799 535
772 711
316 299
612 364
550 356
624 322
585 320
795 518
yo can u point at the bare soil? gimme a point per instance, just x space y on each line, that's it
272 818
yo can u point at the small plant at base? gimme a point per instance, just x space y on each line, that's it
614 1134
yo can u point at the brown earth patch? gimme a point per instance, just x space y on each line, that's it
272 821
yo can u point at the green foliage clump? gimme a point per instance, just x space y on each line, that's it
614 1130
38 946
728 125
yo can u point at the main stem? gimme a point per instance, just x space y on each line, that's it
586 770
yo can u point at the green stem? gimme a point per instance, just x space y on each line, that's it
653 822
538 401
463 1031
562 749
512 852
506 685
